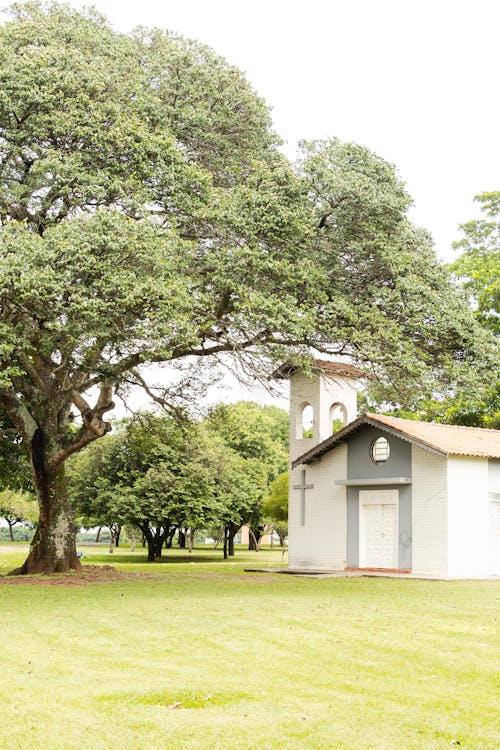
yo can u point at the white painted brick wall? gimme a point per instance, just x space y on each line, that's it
429 513
321 542
494 516
468 516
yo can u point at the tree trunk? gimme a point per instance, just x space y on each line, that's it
169 534
117 535
98 534
151 549
182 539
148 537
230 545
132 537
158 544
255 534
53 547
11 533
191 539
230 532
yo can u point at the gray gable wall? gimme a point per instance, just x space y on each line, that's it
360 465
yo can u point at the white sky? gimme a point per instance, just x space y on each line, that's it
416 82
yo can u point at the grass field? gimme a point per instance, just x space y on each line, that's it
194 653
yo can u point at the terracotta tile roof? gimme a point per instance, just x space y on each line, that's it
447 438
322 365
339 368
441 438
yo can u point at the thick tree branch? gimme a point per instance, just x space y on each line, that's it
105 402
84 436
19 414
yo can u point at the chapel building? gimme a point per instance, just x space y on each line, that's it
383 494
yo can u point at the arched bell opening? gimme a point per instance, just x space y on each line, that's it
305 422
337 416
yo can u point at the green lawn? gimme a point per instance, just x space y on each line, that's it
262 661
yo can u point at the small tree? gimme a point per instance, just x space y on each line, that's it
479 263
154 473
257 434
239 486
477 269
275 507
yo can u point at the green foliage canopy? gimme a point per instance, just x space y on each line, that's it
253 431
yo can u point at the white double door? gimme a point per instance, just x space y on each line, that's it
378 528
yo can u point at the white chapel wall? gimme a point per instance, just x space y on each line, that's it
321 542
494 516
468 516
429 513
494 476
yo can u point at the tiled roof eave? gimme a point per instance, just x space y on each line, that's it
473 454
371 420
331 442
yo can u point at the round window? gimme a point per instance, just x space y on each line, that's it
380 450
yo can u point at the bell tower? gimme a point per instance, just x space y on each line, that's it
322 404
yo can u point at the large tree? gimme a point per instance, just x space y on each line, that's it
147 216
